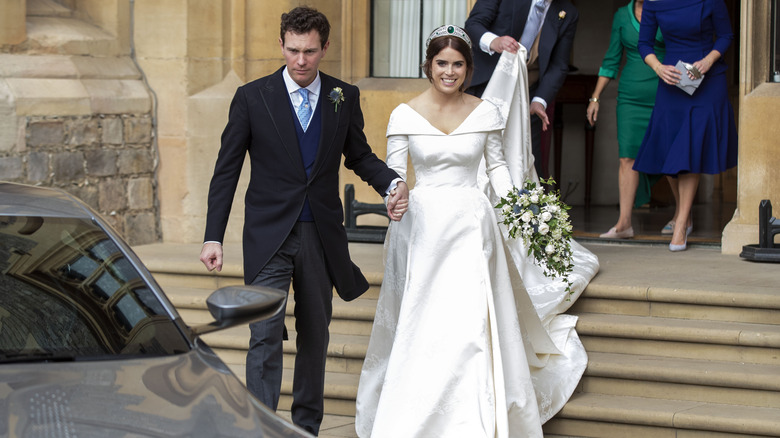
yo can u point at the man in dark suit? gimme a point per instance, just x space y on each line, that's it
547 28
295 125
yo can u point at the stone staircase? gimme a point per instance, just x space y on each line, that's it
663 361
677 361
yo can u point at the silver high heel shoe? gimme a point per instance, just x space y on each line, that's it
677 248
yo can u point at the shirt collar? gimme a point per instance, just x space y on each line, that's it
292 86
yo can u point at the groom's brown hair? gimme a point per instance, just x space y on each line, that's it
302 20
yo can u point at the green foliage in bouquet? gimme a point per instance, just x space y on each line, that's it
541 220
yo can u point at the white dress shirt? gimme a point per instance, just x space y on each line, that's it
292 87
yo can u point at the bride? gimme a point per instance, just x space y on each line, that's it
467 339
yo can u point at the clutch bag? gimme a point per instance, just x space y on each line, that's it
686 83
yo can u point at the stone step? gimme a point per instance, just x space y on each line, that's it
67 67
47 8
679 330
340 345
350 365
339 325
680 310
340 390
354 317
682 350
664 390
68 36
200 280
757 296
600 415
754 379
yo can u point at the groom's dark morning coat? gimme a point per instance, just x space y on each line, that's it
261 123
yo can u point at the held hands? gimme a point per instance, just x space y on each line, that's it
398 201
211 256
538 109
507 43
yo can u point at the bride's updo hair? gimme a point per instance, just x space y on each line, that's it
438 44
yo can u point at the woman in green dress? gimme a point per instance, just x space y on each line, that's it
636 97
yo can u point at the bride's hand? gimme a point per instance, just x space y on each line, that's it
400 208
398 201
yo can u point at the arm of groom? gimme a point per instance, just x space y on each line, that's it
227 170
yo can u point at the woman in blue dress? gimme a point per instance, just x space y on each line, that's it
688 134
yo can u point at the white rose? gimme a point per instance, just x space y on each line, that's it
549 249
543 229
546 216
527 216
534 198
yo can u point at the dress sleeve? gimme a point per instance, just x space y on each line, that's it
611 63
495 164
397 153
723 33
647 31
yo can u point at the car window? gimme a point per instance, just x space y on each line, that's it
67 291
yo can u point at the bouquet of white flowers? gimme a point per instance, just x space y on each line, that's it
541 220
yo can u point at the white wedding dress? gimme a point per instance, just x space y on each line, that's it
459 347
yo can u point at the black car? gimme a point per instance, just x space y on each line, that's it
91 347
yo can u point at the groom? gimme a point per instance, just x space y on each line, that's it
295 125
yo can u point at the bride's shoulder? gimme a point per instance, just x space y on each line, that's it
406 120
487 116
402 111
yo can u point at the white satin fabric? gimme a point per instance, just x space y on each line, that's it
458 348
508 90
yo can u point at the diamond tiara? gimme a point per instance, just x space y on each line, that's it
448 30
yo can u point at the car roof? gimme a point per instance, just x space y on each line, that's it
25 200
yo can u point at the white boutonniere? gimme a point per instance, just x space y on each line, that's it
336 96
561 15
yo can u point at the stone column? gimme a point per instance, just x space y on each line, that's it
13 29
759 161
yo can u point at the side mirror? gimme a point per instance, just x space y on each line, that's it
236 305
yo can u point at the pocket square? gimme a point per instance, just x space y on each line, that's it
686 83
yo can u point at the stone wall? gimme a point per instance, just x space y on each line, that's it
106 160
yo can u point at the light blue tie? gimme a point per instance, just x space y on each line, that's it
533 24
304 110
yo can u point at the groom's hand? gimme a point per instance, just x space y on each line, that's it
211 256
398 201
